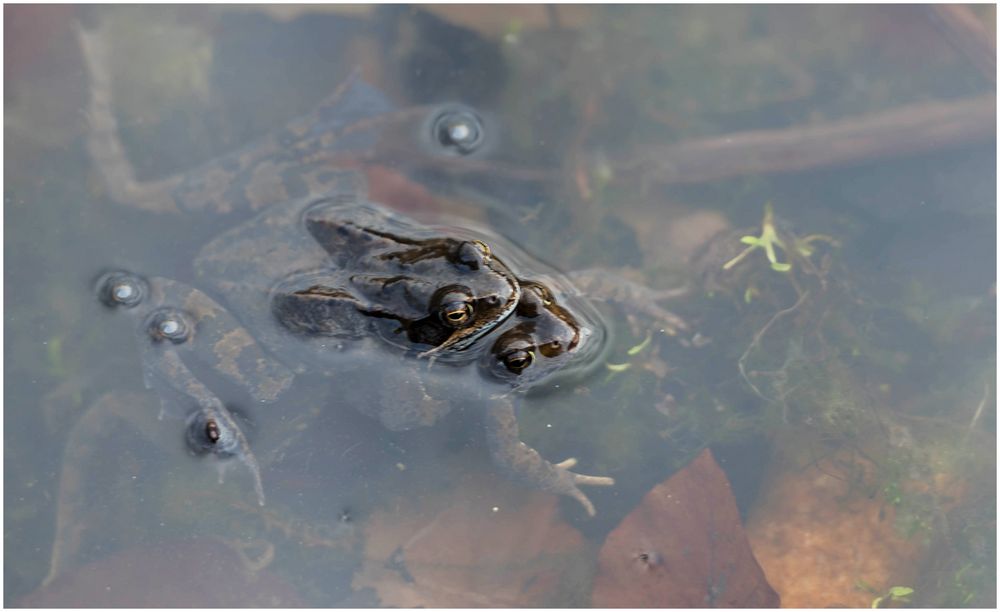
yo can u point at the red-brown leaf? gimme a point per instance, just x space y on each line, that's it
454 550
683 546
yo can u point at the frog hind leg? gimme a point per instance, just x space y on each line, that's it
211 427
527 465
103 141
308 155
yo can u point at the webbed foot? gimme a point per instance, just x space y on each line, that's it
582 479
635 298
525 464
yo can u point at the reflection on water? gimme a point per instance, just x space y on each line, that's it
833 342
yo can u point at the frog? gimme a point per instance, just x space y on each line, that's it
341 285
316 278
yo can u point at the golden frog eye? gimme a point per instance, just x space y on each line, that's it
453 305
206 433
212 433
517 360
456 314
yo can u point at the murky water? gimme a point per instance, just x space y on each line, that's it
846 388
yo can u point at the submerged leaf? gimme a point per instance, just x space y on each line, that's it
488 543
683 546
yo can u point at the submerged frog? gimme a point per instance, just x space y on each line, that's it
314 278
319 279
337 285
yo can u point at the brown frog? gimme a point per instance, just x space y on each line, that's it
337 285
402 318
322 280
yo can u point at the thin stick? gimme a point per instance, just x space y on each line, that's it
979 409
906 130
759 336
964 31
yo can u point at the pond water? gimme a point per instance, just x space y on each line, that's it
802 198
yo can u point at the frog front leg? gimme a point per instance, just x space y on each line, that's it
526 464
209 427
175 320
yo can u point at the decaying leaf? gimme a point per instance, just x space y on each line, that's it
683 546
488 543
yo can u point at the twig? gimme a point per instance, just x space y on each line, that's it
906 130
979 410
760 335
967 34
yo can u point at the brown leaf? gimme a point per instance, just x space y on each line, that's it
455 550
683 546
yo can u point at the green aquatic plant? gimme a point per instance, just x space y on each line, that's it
615 368
900 594
769 239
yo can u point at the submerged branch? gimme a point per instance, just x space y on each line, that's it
964 31
907 130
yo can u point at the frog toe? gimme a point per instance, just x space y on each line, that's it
578 480
593 481
578 495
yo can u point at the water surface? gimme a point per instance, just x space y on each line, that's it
873 352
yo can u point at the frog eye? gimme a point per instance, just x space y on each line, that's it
212 432
514 352
169 324
121 288
454 306
208 434
517 360
458 131
456 314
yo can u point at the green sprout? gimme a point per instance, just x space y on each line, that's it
54 352
615 368
769 239
899 594
635 350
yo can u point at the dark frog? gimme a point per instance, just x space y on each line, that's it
345 287
318 279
